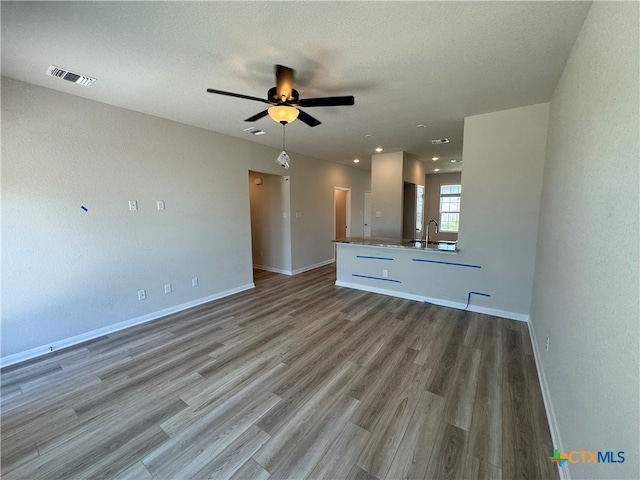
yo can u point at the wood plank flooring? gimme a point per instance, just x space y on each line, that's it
295 379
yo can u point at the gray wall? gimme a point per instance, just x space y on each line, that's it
412 169
501 189
67 272
586 278
386 194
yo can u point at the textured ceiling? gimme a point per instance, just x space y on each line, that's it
406 63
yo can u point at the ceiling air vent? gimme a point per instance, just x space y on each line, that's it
440 141
254 130
70 76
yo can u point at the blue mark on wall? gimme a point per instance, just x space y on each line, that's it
446 263
474 293
84 208
376 278
374 258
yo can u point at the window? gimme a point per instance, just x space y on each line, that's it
419 208
450 208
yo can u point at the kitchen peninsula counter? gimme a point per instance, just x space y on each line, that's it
437 273
405 243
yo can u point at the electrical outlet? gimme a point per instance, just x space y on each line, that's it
167 288
133 205
385 273
194 282
142 294
546 347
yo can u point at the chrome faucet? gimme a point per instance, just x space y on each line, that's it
427 230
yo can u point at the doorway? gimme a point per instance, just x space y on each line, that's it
269 206
409 211
342 212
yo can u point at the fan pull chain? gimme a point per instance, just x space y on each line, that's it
283 125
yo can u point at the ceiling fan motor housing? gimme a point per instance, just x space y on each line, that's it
272 94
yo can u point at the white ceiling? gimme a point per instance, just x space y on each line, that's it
406 63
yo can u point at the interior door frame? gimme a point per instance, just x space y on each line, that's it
347 216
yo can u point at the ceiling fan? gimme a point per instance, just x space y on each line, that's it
286 102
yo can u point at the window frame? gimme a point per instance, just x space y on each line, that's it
420 193
457 195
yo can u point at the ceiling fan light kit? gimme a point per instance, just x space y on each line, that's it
283 113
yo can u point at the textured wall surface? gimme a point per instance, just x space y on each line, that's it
586 279
501 189
386 190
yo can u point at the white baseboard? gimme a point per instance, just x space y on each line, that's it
272 270
68 342
437 301
521 317
311 267
296 271
548 406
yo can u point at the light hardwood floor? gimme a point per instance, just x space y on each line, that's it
295 379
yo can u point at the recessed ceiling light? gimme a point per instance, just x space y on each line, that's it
368 135
439 141
421 125
456 160
379 149
435 158
436 169
355 160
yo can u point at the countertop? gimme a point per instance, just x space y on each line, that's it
413 244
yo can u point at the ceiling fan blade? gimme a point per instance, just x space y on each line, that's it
237 95
327 101
284 83
308 119
258 116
